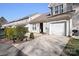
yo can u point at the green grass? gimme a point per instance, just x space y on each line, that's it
72 48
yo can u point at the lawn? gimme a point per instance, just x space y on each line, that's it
72 48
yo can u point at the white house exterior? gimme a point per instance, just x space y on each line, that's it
61 20
22 21
58 22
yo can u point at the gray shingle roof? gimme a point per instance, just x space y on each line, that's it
47 18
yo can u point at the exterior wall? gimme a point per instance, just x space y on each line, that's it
76 17
66 7
46 27
37 30
69 6
75 21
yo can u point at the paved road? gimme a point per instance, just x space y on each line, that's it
45 45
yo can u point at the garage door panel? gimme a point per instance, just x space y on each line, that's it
58 28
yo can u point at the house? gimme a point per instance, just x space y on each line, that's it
22 21
61 20
2 21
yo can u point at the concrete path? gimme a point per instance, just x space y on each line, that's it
45 45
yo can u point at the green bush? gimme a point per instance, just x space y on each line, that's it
15 33
9 32
31 36
21 31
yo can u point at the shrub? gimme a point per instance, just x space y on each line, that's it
21 32
8 33
31 36
15 33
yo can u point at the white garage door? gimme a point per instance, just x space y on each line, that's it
57 28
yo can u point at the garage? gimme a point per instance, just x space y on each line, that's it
58 28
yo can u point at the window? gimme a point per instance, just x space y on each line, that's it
34 26
56 10
51 10
61 8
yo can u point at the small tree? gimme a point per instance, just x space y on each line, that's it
10 33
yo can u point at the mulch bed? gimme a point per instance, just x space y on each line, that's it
4 41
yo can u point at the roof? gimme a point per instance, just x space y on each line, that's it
22 21
54 4
47 18
23 18
3 20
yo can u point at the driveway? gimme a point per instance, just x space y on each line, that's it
45 45
9 50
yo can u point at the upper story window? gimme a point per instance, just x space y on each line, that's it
56 10
61 8
51 10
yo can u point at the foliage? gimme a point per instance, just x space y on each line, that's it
15 33
72 48
9 33
21 32
31 36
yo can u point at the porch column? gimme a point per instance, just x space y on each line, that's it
65 28
70 27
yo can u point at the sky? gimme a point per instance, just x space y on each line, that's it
14 11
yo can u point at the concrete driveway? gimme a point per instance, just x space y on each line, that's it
45 45
10 50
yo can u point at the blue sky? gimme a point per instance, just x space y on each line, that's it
14 11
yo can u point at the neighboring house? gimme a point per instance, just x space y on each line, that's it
22 21
2 21
60 20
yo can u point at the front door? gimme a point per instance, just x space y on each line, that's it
41 27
